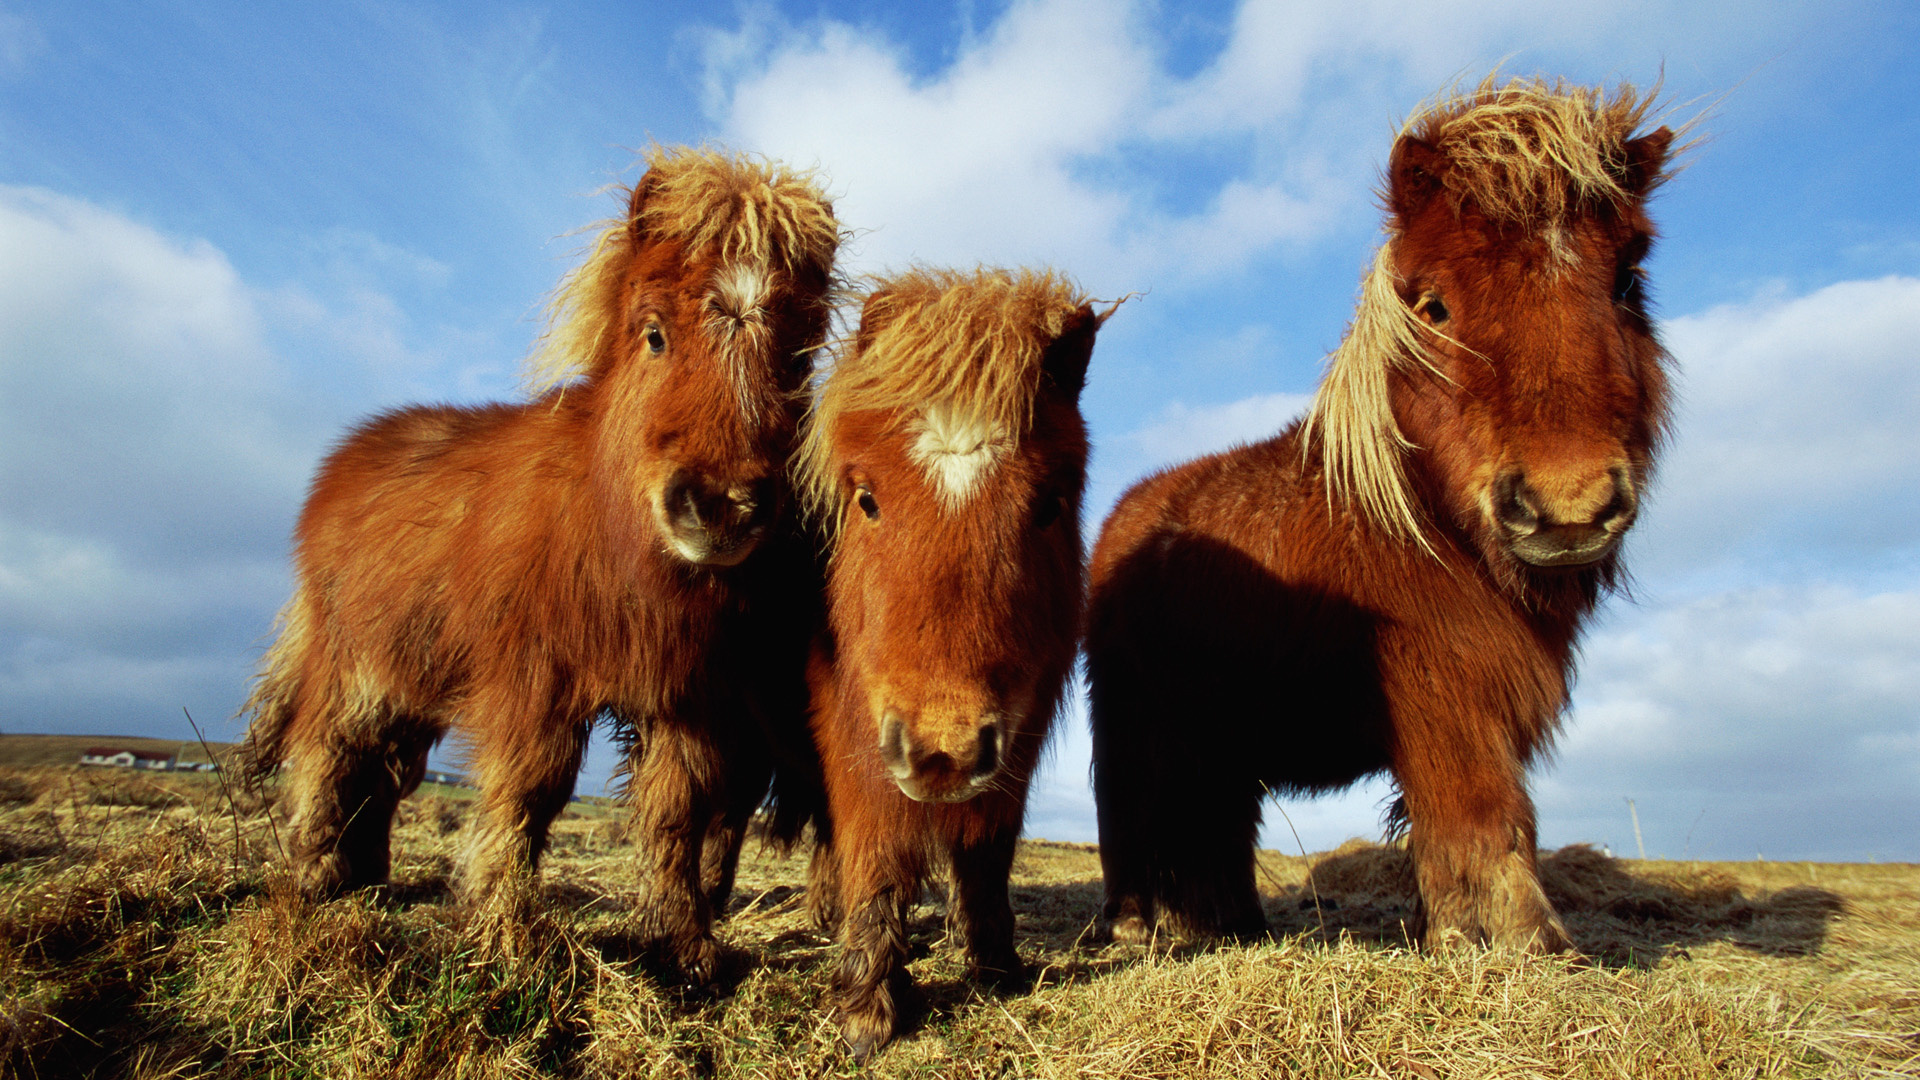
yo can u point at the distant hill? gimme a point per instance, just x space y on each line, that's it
28 751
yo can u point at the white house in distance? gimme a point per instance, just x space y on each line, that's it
126 759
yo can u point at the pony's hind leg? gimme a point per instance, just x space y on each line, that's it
1471 833
525 772
1177 829
749 771
342 793
981 915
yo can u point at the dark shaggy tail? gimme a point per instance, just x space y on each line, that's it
271 704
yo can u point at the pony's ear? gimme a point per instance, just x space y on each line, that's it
1065 361
875 313
638 203
1413 176
1646 156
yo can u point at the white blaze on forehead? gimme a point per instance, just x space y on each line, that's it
736 324
956 449
740 290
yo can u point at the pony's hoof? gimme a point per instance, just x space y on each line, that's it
865 1034
1130 930
999 972
698 960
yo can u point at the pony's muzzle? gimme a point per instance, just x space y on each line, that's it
952 766
1561 520
716 523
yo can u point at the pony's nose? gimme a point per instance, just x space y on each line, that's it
713 522
1560 520
951 766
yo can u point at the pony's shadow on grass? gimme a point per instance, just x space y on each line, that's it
1617 917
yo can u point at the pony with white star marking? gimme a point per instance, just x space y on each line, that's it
945 455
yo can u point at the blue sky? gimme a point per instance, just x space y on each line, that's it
228 230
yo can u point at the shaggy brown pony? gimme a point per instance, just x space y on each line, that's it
945 455
1396 583
513 572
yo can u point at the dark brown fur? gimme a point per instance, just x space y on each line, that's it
1264 621
513 572
953 624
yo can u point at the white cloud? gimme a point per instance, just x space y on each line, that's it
977 164
153 452
1185 432
1058 133
1795 440
1775 719
132 372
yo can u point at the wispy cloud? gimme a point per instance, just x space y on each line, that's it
155 448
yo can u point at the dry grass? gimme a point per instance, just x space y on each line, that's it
157 938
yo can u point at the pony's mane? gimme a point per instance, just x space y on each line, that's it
1351 420
1528 153
1532 153
733 208
973 342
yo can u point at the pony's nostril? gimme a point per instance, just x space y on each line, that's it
894 752
1621 505
987 757
752 502
1513 503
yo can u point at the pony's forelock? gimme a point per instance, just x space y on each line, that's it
738 210
1532 153
971 343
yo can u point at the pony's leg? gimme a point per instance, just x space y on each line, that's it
525 772
1472 839
870 981
749 771
1177 828
823 882
1124 801
982 913
1204 880
675 789
342 792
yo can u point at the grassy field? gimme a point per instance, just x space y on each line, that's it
146 930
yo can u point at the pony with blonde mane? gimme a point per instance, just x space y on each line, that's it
513 572
945 456
1397 582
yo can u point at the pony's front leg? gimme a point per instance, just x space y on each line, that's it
525 767
674 791
1472 839
982 913
870 982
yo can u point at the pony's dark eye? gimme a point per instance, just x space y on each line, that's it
656 340
1430 306
868 504
1626 283
1048 510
